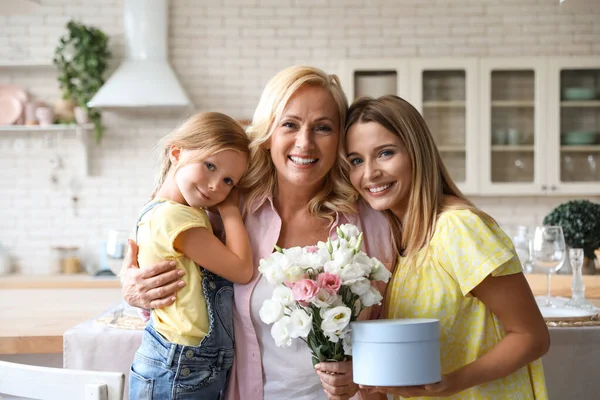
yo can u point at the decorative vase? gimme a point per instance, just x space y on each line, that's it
81 115
589 268
64 110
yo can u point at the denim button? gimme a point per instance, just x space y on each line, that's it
185 372
212 285
189 354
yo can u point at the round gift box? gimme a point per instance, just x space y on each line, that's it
396 352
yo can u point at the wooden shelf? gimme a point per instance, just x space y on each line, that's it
444 104
580 149
26 64
81 132
505 148
452 149
512 103
580 103
75 281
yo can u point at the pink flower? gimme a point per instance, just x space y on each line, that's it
312 249
329 282
304 290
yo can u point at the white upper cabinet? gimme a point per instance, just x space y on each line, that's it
574 125
375 78
445 93
513 132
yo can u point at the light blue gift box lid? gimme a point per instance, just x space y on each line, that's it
396 330
400 352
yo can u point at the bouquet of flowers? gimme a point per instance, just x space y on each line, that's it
319 291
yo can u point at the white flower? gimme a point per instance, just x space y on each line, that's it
324 299
271 311
283 295
300 323
351 273
365 262
335 321
347 344
340 258
294 273
349 231
371 297
270 267
360 287
379 271
280 331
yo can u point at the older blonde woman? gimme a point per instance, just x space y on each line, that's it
299 193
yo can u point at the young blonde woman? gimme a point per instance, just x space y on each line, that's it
455 264
187 347
299 195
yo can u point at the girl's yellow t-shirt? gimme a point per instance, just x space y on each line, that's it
463 251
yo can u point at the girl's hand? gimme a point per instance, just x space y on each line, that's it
336 378
447 387
232 200
153 287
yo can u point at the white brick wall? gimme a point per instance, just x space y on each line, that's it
224 54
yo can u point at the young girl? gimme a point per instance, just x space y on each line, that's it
455 264
187 347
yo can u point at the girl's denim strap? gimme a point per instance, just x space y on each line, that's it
147 208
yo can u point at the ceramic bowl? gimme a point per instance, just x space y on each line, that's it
579 138
396 352
579 93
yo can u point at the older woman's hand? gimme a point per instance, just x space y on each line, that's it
336 378
152 287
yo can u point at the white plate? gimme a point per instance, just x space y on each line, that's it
564 312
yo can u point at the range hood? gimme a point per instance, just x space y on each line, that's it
145 78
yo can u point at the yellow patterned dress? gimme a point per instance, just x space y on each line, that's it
463 251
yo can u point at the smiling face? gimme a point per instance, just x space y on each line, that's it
380 168
304 142
207 182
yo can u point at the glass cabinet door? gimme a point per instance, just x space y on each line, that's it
445 94
513 149
374 78
577 107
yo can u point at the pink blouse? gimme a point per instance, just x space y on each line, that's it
264 227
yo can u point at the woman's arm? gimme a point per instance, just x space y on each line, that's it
527 339
509 297
152 287
232 260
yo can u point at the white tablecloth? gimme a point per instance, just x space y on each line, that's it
92 346
571 366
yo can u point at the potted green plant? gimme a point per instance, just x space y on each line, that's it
82 57
580 221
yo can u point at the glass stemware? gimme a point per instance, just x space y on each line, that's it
549 253
577 286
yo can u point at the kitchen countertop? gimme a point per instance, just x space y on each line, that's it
33 321
36 311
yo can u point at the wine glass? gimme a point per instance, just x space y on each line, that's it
549 253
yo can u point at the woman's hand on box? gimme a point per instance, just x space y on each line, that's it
446 387
336 378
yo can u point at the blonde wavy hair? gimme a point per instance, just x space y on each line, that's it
336 195
430 178
207 133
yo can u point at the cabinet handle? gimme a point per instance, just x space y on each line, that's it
544 187
553 187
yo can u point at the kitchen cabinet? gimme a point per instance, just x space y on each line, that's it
503 126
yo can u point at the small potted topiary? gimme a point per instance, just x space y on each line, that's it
580 221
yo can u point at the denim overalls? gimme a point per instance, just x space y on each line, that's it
162 370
